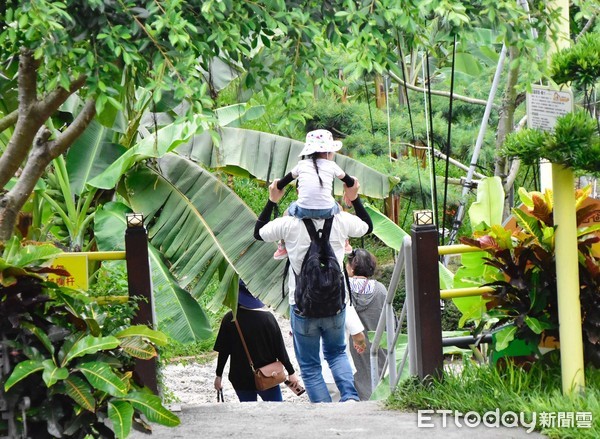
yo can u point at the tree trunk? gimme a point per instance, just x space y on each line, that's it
31 137
506 122
380 99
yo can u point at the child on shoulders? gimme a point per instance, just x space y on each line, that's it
315 173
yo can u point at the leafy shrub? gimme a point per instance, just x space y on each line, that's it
525 292
73 374
574 143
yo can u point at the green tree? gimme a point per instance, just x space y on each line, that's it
103 51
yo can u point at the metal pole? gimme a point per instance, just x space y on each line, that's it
139 283
383 318
567 281
460 212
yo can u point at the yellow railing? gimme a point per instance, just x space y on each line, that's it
457 249
454 293
99 256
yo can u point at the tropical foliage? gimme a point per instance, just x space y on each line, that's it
61 371
524 272
123 58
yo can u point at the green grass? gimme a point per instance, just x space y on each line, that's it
482 389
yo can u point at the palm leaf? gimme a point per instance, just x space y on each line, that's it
489 205
155 145
109 226
267 157
180 315
200 225
233 115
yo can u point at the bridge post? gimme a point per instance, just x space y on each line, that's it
139 283
426 301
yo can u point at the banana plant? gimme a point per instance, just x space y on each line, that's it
265 157
217 234
200 226
178 314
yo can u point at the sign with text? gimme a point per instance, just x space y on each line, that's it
77 266
545 105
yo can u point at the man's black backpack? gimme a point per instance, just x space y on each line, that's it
320 287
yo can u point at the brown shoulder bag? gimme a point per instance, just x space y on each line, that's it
265 377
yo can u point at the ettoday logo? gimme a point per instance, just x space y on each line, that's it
509 419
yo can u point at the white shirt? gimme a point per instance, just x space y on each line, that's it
310 193
297 240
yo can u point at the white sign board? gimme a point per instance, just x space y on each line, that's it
545 105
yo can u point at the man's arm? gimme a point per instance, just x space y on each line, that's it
275 195
351 194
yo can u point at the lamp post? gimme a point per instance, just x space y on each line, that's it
139 283
426 301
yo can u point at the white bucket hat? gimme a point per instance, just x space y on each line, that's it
320 141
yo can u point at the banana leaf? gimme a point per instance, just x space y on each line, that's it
178 314
267 156
155 145
90 155
473 270
204 229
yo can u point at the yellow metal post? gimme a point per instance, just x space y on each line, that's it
567 280
565 249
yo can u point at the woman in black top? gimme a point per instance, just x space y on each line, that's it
265 343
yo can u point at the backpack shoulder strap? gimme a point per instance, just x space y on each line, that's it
310 227
327 228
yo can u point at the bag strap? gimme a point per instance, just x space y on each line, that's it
347 278
326 231
310 227
312 231
286 269
244 344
